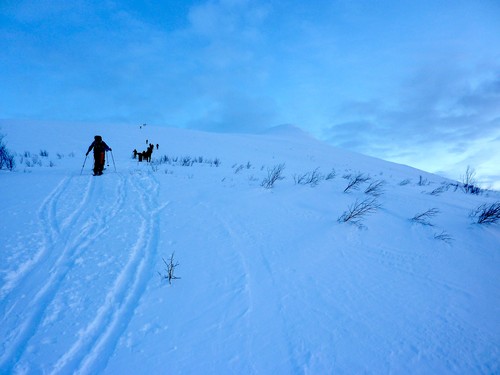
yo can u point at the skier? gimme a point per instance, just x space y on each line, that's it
100 147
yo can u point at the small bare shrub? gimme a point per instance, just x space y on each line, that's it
239 168
6 157
273 175
347 176
486 214
405 182
422 181
155 164
424 217
164 160
310 178
440 189
376 188
358 210
169 269
443 236
355 181
469 182
331 175
186 161
36 160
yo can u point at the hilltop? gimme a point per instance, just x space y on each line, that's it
269 278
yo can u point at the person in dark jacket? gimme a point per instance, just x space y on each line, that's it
100 147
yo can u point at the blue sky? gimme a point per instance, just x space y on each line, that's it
416 82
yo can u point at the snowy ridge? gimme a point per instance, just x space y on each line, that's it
271 280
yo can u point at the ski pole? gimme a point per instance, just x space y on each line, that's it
83 166
113 158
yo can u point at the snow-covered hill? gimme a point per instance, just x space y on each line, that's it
271 281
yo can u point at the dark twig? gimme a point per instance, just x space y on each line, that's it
170 268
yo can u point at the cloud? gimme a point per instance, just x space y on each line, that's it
444 107
237 113
446 122
484 97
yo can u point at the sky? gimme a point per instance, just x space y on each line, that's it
415 82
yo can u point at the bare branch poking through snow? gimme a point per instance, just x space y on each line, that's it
169 270
440 189
375 188
422 181
443 236
405 182
424 217
273 175
485 214
355 181
6 157
309 178
469 182
358 210
331 175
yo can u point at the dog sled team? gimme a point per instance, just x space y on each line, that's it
145 155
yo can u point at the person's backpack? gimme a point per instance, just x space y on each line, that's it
99 146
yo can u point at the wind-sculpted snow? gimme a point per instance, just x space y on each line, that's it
269 281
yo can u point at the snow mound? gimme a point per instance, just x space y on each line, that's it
288 279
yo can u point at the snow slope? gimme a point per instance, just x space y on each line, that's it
270 281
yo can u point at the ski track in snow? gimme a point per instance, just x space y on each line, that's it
52 259
78 295
46 215
265 279
64 241
96 343
236 237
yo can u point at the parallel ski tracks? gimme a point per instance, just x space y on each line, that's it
46 215
97 341
24 314
66 239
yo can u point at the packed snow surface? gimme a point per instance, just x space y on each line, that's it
266 280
